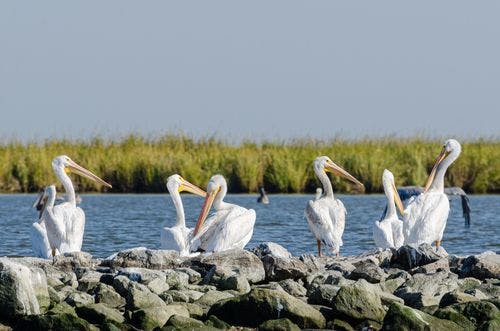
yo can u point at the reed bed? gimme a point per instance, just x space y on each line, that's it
137 164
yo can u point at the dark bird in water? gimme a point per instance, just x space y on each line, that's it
407 192
263 196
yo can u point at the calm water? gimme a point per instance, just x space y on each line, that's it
116 222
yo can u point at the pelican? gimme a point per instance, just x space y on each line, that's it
388 232
264 199
39 239
65 222
425 216
177 237
326 215
231 226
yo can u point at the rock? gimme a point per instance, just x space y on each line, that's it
98 313
142 275
440 265
70 261
63 321
142 257
107 295
260 305
408 257
79 298
121 285
394 281
454 316
293 288
195 310
88 281
53 295
311 262
455 297
211 297
239 262
139 296
343 266
214 322
194 277
477 311
482 266
369 271
201 288
339 325
236 283
386 297
184 323
282 324
158 286
406 318
278 268
355 302
156 317
272 249
176 295
427 290
323 295
23 289
177 280
4 327
64 292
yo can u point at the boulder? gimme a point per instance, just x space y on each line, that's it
70 261
482 266
344 267
158 286
121 285
293 288
194 277
272 249
323 295
142 275
478 312
369 271
442 264
156 317
62 321
456 296
107 295
451 314
356 302
179 322
98 313
139 297
236 283
237 261
142 257
282 324
214 322
401 317
277 268
23 289
408 257
260 305
176 279
88 280
312 263
339 325
211 297
79 298
195 310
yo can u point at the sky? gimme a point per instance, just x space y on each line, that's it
249 69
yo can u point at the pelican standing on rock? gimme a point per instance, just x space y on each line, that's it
231 226
326 215
177 237
426 214
388 232
66 224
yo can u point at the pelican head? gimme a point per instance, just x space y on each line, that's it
217 187
176 183
65 164
325 164
451 149
391 190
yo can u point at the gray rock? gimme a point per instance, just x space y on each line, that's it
440 265
194 277
176 295
142 275
158 286
98 313
356 302
88 281
369 271
342 266
272 249
455 296
121 285
23 289
70 261
139 297
282 324
379 257
312 262
278 268
427 290
107 295
142 257
201 288
176 279
401 317
211 297
394 281
79 299
477 311
408 257
195 310
236 283
156 317
184 323
237 261
323 295
293 288
451 314
260 305
482 266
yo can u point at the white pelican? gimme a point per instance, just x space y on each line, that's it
319 193
231 226
326 215
425 216
177 237
66 222
388 232
38 233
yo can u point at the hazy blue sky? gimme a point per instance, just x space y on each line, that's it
254 69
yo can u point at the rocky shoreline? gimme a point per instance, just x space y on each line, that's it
264 288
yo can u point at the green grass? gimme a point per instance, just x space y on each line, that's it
137 164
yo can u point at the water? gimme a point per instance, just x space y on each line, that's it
117 222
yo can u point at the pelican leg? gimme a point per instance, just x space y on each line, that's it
53 256
319 247
337 254
438 243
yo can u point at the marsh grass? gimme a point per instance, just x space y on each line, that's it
137 164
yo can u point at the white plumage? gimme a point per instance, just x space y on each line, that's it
425 216
326 214
231 226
